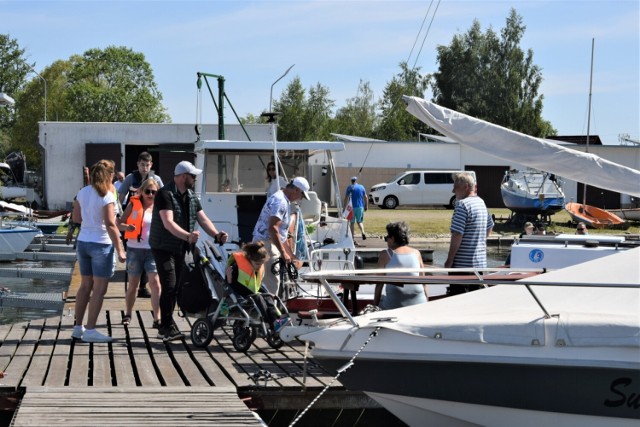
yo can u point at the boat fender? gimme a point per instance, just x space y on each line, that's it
591 244
358 262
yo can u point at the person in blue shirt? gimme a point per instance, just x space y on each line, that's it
360 204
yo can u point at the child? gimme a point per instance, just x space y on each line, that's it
245 271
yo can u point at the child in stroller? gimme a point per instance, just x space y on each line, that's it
244 274
244 304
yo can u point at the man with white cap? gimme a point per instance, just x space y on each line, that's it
357 194
176 211
272 227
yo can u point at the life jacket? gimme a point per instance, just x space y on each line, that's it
247 276
136 217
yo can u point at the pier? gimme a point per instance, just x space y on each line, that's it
53 380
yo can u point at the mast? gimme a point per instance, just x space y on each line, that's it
584 187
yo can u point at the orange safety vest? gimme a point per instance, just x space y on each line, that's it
136 217
247 276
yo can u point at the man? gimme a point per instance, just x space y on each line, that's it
272 227
471 224
359 203
175 213
131 182
119 180
581 228
128 187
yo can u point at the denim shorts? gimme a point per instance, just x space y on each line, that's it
96 259
139 260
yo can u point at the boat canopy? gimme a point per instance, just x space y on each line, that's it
538 153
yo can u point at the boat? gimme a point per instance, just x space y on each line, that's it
11 189
531 192
594 217
561 348
628 214
16 238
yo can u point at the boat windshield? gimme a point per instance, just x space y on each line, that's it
246 171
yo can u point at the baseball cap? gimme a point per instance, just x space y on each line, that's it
302 184
186 167
354 178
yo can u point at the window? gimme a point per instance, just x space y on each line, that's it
438 178
410 179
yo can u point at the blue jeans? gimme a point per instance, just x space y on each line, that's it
96 259
140 260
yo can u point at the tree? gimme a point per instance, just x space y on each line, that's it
291 105
12 73
358 117
396 124
318 110
113 85
492 78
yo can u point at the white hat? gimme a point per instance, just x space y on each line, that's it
354 178
302 184
186 167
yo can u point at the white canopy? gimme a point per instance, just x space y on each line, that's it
533 152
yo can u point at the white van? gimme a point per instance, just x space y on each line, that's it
416 188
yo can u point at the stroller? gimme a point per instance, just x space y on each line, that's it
229 308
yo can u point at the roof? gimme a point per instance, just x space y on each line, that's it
577 139
268 145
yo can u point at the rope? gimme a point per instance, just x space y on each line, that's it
340 371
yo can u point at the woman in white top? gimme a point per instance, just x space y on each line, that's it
274 184
136 223
98 239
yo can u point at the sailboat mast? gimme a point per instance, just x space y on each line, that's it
584 187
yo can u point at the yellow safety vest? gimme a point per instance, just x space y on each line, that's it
247 276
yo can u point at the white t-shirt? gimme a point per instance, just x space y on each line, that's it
91 204
275 185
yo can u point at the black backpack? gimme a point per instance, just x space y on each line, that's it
193 294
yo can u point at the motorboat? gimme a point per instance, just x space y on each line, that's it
561 348
532 192
11 189
594 217
233 193
16 238
627 214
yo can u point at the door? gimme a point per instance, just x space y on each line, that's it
409 191
438 187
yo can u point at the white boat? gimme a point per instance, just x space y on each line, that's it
16 238
628 214
325 242
532 192
10 189
561 349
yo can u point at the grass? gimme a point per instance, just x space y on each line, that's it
436 222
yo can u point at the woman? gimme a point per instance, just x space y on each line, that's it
245 271
136 224
273 183
527 230
98 239
399 255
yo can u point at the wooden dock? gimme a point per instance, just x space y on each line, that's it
138 379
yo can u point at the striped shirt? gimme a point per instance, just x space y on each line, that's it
472 220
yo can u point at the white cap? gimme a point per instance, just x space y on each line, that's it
186 167
354 178
302 184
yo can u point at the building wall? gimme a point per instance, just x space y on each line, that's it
64 148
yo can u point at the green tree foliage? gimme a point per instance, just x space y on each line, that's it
113 85
12 74
318 112
492 78
358 117
396 124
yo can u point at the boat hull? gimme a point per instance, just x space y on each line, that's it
603 395
531 205
593 217
16 239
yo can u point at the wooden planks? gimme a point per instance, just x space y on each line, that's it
138 406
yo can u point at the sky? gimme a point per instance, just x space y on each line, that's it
340 43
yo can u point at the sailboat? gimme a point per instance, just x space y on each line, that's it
581 212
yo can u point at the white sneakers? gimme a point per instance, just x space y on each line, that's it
89 335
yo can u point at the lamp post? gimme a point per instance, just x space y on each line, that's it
6 100
45 92
272 119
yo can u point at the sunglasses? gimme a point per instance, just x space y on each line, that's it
147 192
581 229
192 175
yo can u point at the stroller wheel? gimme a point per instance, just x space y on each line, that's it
201 332
274 341
243 340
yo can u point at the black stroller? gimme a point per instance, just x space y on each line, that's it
229 308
